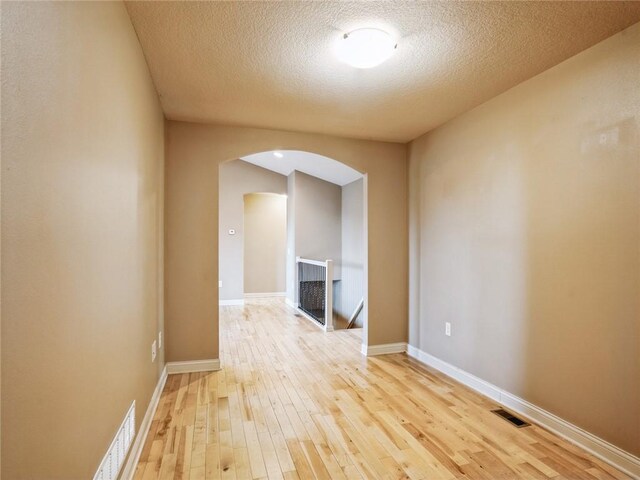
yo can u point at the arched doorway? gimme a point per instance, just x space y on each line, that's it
193 154
325 221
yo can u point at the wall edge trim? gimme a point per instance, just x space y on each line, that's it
193 366
228 303
383 349
129 467
265 295
605 451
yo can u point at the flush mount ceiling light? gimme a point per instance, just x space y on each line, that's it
365 47
278 154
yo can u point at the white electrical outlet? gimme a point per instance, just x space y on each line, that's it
447 329
219 283
153 351
160 339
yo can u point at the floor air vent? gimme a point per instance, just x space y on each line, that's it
113 460
510 417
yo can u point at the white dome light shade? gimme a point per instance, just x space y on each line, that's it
365 47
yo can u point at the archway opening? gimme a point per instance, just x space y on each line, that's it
325 227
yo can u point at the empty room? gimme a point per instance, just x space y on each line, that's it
320 240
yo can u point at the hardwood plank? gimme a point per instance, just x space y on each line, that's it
294 403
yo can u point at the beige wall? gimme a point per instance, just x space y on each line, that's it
82 212
291 268
238 178
526 228
351 285
265 242
317 218
193 154
314 225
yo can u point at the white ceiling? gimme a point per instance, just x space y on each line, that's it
272 65
310 163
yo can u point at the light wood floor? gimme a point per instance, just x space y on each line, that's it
292 402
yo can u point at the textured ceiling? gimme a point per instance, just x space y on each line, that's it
271 64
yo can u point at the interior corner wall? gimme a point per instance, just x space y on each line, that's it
314 225
351 285
82 235
238 178
318 214
525 226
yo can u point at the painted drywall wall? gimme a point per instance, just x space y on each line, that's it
82 213
318 220
265 243
526 228
237 178
350 288
314 224
193 154
291 270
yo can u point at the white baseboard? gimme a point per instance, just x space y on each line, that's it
193 366
265 295
384 349
228 303
290 302
129 467
605 451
